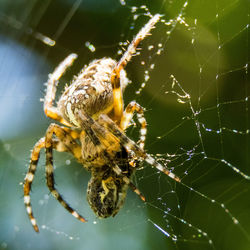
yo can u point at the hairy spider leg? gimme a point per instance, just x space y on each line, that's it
52 83
130 145
57 145
118 171
67 140
101 137
29 179
115 75
127 117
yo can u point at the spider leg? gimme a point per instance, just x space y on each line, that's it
62 134
52 83
57 145
130 145
101 138
118 171
115 75
29 179
128 115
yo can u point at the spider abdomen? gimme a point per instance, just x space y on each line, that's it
90 91
106 189
106 196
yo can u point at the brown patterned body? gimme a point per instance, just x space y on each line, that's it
90 92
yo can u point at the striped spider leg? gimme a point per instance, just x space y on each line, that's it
130 145
65 142
116 73
53 79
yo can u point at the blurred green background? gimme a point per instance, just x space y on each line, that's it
199 126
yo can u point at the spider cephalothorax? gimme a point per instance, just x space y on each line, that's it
91 110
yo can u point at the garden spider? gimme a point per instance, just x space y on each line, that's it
91 109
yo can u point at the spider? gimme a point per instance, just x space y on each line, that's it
91 110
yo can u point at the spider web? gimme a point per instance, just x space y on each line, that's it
192 77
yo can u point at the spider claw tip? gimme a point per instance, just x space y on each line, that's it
82 219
